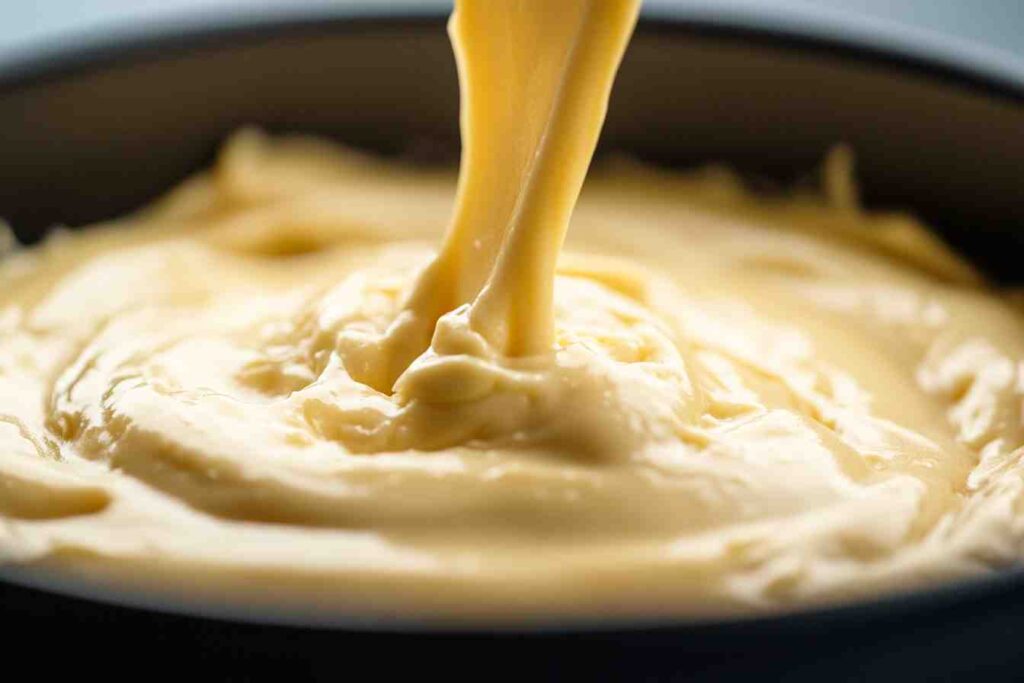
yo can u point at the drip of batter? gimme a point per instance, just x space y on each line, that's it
536 77
269 386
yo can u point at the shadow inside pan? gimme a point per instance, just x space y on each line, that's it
95 137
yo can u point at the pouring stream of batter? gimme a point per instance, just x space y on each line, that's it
535 79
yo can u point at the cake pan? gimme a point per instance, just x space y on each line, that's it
101 124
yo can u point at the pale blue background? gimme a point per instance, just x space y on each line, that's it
995 26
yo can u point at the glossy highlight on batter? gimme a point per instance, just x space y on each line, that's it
315 378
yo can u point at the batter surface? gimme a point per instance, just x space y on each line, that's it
273 381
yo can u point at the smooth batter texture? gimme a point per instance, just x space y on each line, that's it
271 385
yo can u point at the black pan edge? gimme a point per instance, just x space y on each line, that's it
991 73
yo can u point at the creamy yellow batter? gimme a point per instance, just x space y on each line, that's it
271 381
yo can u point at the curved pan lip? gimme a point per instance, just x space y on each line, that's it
989 72
964 64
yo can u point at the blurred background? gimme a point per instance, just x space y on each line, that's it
996 25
